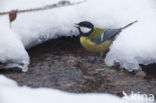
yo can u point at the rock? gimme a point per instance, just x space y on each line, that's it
141 74
91 58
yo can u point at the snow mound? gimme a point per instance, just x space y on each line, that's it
12 52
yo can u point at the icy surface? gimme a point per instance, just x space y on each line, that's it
12 93
134 46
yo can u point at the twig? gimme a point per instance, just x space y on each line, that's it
52 6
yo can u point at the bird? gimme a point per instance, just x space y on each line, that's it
95 39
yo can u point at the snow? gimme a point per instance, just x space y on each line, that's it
12 93
134 46
12 50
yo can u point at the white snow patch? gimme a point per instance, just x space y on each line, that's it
12 50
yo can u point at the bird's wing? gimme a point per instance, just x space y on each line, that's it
108 35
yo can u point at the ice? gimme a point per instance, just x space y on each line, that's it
12 93
135 45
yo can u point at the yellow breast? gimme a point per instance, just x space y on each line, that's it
90 46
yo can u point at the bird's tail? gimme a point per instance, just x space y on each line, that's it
129 24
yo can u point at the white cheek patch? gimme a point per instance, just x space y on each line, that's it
85 29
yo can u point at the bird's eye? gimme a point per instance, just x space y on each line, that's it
85 29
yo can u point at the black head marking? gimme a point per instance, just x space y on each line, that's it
85 24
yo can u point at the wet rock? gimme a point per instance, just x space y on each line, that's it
141 74
91 58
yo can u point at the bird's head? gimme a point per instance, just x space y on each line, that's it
85 28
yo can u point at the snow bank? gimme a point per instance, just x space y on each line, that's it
12 50
134 46
36 27
10 92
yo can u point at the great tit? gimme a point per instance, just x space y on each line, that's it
95 39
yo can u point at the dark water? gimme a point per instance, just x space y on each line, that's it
63 64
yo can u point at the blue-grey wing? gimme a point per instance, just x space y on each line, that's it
109 34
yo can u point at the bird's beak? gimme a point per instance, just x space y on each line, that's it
76 25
